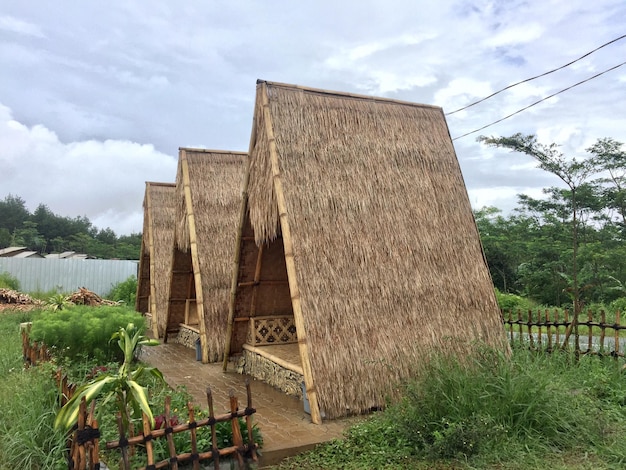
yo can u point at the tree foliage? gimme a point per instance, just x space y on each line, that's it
568 246
45 232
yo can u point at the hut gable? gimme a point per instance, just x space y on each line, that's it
383 257
207 200
156 248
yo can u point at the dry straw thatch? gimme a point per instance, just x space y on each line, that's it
156 249
208 199
387 260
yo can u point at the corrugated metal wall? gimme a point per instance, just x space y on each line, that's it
67 275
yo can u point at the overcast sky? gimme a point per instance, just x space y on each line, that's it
96 97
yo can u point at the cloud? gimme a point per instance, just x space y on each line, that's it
15 25
103 180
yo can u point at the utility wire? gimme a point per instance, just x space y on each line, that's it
542 99
537 76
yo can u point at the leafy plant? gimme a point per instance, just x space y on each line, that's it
125 291
58 302
122 388
7 281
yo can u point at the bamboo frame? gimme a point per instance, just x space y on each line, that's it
257 278
374 99
237 257
281 362
152 296
290 262
195 262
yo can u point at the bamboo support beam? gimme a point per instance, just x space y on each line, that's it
290 262
195 260
262 283
152 297
257 278
235 269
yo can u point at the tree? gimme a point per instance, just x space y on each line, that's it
610 159
573 172
13 213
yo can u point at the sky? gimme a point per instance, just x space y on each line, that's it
97 97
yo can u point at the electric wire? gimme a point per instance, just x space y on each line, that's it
536 76
541 100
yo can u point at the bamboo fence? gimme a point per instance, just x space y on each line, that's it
551 330
84 444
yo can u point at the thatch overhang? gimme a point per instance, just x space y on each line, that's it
156 248
208 199
365 201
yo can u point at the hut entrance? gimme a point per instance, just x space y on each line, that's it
264 334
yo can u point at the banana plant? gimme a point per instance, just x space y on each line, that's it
122 387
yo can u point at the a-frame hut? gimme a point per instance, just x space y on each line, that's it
153 284
356 232
208 200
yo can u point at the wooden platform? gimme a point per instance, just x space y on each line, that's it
285 355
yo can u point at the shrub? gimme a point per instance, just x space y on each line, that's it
9 282
125 291
81 331
513 302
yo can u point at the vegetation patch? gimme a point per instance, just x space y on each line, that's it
80 331
531 411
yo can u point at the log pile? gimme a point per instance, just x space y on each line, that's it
84 296
14 300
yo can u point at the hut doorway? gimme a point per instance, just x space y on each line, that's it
264 336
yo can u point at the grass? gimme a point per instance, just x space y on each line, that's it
29 403
28 438
534 411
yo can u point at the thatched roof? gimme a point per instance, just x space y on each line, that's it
208 200
156 252
387 258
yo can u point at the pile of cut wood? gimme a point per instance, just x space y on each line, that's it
84 296
13 299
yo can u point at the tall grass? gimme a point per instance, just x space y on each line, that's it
490 411
27 406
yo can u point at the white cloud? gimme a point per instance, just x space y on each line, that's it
15 25
515 35
103 180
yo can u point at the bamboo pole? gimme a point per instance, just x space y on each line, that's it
237 439
602 330
257 278
618 323
589 332
152 297
147 438
214 450
290 262
195 260
194 439
235 270
249 410
168 435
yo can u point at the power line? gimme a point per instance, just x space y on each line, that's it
537 76
542 99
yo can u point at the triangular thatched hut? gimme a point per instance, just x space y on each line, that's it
156 253
208 198
356 231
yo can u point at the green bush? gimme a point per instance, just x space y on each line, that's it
619 304
125 291
9 282
513 302
81 331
